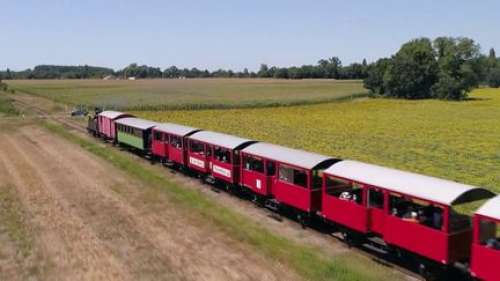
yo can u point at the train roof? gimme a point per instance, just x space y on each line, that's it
224 140
424 187
491 208
110 114
137 123
175 129
299 158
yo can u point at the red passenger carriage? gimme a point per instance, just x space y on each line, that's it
292 177
485 260
216 155
106 123
410 211
170 143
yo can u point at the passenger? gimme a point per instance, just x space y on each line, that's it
411 216
346 195
493 243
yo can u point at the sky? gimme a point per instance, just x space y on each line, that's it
230 34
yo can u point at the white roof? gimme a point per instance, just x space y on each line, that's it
219 139
491 208
110 114
300 158
175 129
137 123
420 186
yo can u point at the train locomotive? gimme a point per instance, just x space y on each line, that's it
407 214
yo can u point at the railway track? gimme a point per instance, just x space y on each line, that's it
371 253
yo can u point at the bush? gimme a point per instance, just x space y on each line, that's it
494 77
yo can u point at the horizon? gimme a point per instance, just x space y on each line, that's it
225 35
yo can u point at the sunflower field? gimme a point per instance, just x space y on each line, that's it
453 140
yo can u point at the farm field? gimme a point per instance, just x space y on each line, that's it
453 140
189 94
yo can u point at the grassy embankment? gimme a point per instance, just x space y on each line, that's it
6 106
192 93
309 262
453 140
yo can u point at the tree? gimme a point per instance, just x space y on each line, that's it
494 77
412 71
459 67
375 76
281 73
8 74
333 68
263 71
492 58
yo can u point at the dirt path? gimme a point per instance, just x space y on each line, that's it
92 222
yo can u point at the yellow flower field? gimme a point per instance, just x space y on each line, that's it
453 140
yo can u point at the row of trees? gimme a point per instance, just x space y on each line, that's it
58 72
326 68
446 68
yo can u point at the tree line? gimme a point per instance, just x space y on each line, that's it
326 68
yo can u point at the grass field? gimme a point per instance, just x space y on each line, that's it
454 140
189 94
6 106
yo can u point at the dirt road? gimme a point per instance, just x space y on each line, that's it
89 221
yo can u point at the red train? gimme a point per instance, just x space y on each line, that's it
405 213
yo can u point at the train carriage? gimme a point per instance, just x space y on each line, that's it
486 242
135 132
106 123
292 177
216 155
170 143
410 211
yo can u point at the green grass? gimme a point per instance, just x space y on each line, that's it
191 93
6 106
454 140
309 262
12 220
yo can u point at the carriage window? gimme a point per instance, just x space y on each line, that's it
489 234
137 132
270 168
317 179
176 141
293 176
344 189
222 154
253 164
197 147
158 136
375 199
416 211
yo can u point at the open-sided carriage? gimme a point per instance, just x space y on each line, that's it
106 123
409 211
170 142
216 155
485 260
135 133
284 177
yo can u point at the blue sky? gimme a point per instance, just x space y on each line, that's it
229 34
